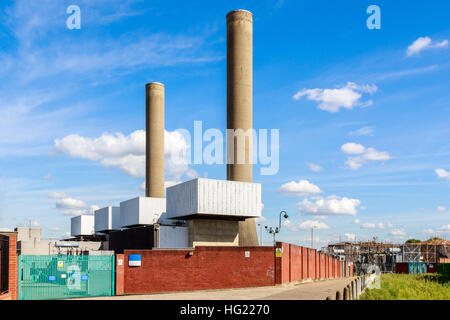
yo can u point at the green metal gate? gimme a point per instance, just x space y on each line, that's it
65 276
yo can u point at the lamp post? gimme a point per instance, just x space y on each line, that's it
273 231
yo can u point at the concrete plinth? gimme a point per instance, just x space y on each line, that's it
213 232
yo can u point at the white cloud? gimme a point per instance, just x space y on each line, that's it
56 195
442 230
364 155
350 236
424 43
353 148
331 205
309 224
289 225
364 131
443 174
357 221
127 153
300 188
397 232
332 100
315 167
71 206
381 225
368 225
441 208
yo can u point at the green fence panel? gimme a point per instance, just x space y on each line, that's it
65 276
444 269
417 267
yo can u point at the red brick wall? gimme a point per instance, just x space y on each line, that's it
13 266
13 290
207 268
120 274
223 267
323 266
305 263
296 263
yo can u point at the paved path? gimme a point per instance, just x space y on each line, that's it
317 290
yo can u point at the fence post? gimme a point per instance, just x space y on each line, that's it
358 287
113 275
339 295
19 279
346 295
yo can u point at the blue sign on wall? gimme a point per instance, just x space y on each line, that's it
51 278
75 275
84 278
134 260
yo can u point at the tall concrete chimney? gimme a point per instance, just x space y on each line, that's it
154 160
240 107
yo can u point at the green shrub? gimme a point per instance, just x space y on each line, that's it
428 286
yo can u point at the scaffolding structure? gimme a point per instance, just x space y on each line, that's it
387 255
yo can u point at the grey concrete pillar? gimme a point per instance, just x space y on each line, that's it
240 108
154 162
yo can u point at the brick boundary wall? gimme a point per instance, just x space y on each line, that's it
206 268
202 268
13 269
120 271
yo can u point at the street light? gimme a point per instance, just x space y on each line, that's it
277 229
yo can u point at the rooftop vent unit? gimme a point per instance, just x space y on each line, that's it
206 198
82 226
141 211
107 219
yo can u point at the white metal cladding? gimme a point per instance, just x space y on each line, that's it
82 225
107 218
115 220
141 211
214 197
173 237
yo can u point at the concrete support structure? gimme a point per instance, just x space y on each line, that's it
212 232
154 163
240 108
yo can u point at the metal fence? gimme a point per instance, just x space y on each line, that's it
65 276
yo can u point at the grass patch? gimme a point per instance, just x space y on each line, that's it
428 286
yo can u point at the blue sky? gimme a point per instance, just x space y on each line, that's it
363 114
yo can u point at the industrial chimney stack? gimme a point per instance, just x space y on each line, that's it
240 107
154 161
